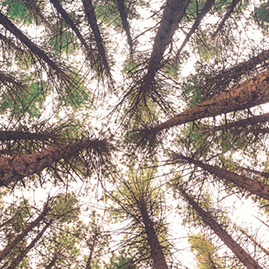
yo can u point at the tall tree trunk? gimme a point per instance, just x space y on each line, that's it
28 228
254 91
254 187
13 169
89 260
26 41
226 16
53 261
75 29
208 219
125 24
157 254
238 228
241 123
200 16
16 262
89 12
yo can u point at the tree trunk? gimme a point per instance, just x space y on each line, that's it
53 261
71 23
226 16
89 260
125 24
26 41
241 123
254 187
252 92
13 169
15 263
208 219
19 237
157 254
89 12
196 23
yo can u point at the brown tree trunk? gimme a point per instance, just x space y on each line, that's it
157 254
15 263
196 23
13 169
19 237
252 92
53 261
125 24
89 12
208 219
26 41
71 23
89 260
258 188
226 16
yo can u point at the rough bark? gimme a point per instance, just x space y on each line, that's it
226 16
28 228
19 258
13 169
254 187
252 92
71 23
208 219
157 254
196 23
125 24
89 12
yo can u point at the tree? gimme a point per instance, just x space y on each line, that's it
98 107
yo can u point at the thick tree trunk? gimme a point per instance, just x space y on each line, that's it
196 23
125 24
254 91
157 254
208 219
71 23
16 262
13 169
19 237
89 12
254 187
226 16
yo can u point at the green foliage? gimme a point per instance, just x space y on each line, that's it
205 252
123 261
261 15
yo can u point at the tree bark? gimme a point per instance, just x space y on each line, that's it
254 187
13 169
252 92
19 237
71 23
208 219
196 23
29 247
89 12
157 254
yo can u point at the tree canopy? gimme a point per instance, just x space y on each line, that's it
134 134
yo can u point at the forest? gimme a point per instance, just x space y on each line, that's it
134 134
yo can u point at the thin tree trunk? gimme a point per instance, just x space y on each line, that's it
251 239
241 123
26 41
53 261
15 263
89 260
208 219
226 16
196 23
19 237
253 186
71 23
89 12
125 24
254 91
157 254
13 169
